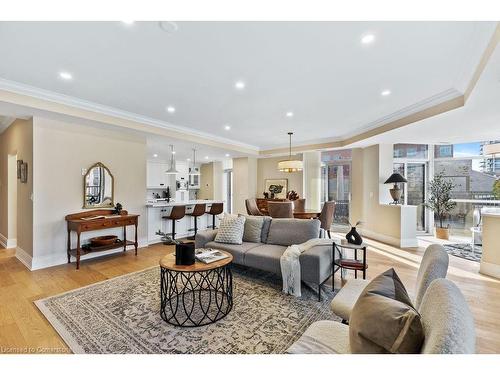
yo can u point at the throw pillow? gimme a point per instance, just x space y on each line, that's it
383 320
265 228
253 228
231 230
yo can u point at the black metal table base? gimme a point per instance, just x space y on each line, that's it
195 299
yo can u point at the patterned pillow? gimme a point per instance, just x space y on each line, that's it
231 230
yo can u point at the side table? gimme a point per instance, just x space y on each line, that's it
344 263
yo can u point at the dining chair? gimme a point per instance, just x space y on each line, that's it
299 205
326 216
252 208
280 209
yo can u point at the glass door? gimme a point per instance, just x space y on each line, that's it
416 187
336 186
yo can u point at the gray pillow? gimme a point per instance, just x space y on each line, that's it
383 319
253 228
265 228
288 232
231 230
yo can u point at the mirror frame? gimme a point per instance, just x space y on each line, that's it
112 204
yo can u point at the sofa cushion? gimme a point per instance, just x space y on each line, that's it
383 319
323 337
265 228
253 228
288 232
237 251
231 230
265 257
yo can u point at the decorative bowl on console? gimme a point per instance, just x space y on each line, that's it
103 240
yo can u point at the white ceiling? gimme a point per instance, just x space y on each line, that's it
318 70
478 120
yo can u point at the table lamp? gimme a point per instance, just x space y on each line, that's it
396 191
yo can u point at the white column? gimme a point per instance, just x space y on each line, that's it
312 179
244 182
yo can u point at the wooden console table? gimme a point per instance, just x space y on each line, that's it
79 223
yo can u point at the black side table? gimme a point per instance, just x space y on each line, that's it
195 295
344 263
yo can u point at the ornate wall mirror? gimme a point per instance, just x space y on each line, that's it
98 187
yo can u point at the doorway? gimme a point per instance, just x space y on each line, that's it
12 201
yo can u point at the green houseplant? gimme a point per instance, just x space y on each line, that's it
440 202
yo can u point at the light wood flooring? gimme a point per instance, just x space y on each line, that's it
24 329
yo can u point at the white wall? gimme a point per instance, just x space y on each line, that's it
244 182
267 168
61 150
312 179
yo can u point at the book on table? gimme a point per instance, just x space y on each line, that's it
209 255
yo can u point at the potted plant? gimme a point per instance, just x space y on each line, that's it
440 202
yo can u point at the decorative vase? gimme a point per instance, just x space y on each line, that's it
353 237
184 254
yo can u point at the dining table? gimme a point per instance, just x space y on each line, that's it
306 214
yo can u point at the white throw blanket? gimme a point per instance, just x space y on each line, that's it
290 264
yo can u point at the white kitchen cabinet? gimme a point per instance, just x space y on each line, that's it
156 176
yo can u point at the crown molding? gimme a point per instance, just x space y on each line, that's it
73 102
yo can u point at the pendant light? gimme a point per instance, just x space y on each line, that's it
193 170
289 166
172 169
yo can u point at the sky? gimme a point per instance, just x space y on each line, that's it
466 149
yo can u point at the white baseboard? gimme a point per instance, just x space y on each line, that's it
398 242
490 269
24 258
8 243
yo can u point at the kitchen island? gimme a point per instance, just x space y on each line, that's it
158 209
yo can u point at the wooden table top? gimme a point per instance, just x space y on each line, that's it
306 214
168 262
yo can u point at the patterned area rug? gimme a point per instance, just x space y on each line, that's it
122 315
464 250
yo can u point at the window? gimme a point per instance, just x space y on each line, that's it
410 151
474 175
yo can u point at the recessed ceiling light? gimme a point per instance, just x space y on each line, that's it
385 93
206 157
289 114
188 159
368 38
170 109
239 85
168 27
227 127
173 152
155 155
128 22
66 76
227 155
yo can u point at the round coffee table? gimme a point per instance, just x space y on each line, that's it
196 295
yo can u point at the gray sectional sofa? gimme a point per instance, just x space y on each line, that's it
276 236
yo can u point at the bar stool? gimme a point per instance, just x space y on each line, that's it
198 210
177 213
216 209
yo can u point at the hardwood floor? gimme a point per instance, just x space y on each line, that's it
23 329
